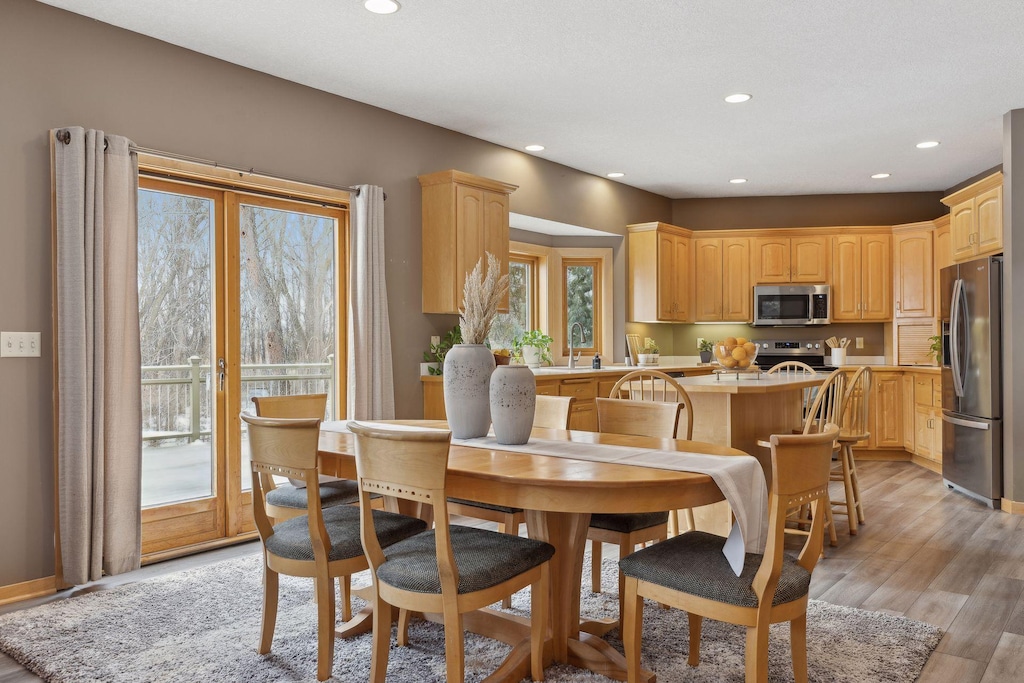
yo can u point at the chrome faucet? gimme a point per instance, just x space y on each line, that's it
573 358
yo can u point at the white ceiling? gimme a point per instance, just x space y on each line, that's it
841 90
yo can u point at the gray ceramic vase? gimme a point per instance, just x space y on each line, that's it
513 401
467 374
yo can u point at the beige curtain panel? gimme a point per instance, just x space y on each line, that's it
99 415
371 386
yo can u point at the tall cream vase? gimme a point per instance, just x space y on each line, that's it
467 376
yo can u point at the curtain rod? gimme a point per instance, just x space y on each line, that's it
64 136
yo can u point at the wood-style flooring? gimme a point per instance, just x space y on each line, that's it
925 552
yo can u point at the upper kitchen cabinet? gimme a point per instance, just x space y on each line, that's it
976 218
723 290
913 267
861 278
464 216
790 259
660 273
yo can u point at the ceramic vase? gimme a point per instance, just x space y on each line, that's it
513 401
467 374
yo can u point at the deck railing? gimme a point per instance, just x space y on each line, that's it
175 398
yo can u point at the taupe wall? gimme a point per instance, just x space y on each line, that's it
61 69
1013 298
807 210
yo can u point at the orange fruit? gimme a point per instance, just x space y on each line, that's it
730 341
741 340
729 362
739 353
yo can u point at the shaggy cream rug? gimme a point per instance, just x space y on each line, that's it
203 624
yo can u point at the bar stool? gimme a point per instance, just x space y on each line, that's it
854 430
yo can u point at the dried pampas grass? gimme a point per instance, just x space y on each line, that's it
481 296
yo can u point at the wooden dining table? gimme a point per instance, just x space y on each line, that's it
559 494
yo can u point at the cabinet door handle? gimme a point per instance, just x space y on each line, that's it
898 306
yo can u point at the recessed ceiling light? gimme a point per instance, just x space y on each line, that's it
534 148
928 144
736 98
737 181
616 175
382 6
879 176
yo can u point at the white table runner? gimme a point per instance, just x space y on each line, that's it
739 477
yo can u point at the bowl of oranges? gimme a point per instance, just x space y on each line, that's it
735 353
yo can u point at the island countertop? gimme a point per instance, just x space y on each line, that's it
748 383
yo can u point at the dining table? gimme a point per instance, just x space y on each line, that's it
558 494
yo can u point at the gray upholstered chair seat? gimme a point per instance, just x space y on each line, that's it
627 522
694 563
484 559
340 492
486 506
291 538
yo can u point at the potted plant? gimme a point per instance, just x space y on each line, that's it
935 350
650 353
533 348
433 357
704 346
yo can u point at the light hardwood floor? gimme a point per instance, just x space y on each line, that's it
926 553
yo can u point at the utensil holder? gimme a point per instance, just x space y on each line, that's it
838 357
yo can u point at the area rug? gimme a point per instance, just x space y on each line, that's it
203 624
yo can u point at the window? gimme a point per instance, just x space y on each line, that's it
522 302
581 303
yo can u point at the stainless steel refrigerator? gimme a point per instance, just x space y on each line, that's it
972 401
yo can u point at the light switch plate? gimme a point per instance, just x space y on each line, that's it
700 340
860 342
19 344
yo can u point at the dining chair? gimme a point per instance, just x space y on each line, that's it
449 569
796 368
323 544
285 501
655 385
854 429
628 529
551 412
690 572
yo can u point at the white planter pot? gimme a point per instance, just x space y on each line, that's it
513 401
649 358
531 356
467 374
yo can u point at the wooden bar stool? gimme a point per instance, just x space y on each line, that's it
854 430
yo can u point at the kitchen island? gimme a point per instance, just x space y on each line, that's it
584 383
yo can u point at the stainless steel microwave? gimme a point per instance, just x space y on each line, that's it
791 305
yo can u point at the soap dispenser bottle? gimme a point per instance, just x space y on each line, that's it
597 362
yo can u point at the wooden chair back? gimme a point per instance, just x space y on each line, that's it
800 475
855 405
638 418
410 465
553 412
795 368
654 385
300 405
285 447
827 407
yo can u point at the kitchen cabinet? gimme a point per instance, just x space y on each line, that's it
927 418
790 259
463 217
907 411
886 390
660 273
976 219
722 291
913 270
861 278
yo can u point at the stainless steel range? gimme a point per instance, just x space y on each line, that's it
772 352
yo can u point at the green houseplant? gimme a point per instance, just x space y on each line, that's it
650 352
935 350
433 357
533 348
705 346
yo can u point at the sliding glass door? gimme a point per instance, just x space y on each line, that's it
238 297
